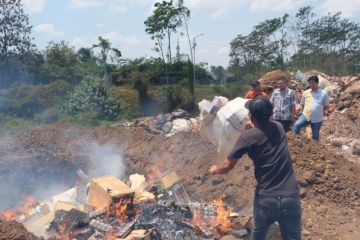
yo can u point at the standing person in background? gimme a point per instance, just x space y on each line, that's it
277 195
255 91
315 105
283 101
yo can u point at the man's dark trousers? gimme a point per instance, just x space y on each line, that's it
285 210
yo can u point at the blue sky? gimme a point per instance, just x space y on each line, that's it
80 22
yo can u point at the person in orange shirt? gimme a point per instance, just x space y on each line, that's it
255 91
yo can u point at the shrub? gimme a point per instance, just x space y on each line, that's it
173 95
92 95
25 100
9 124
140 81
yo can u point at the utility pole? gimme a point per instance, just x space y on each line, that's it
194 45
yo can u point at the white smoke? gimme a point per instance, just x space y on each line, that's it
105 160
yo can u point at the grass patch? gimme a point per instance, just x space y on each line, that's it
10 125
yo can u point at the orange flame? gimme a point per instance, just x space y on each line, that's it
122 208
29 203
222 218
8 215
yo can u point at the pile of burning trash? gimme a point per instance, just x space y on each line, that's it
108 208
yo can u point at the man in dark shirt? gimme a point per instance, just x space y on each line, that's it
277 192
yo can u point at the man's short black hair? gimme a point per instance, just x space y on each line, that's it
260 108
255 83
314 78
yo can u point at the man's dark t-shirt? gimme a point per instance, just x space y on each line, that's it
267 146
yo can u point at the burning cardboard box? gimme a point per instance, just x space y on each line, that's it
106 191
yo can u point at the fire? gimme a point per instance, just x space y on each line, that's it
222 217
8 215
122 209
29 203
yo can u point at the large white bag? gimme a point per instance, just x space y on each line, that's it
224 128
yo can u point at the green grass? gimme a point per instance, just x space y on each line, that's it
10 125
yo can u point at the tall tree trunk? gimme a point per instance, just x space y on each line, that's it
169 45
191 86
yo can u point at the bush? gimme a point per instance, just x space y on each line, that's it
177 97
25 100
9 124
92 95
173 96
140 81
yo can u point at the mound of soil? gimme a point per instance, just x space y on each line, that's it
13 230
44 159
330 191
269 80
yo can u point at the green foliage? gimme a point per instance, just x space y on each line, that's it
328 43
177 97
173 95
107 53
15 29
11 124
140 82
25 100
164 20
60 62
93 97
15 43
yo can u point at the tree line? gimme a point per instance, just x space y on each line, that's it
330 43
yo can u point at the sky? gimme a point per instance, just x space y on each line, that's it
215 22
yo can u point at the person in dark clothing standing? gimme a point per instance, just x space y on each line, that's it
277 195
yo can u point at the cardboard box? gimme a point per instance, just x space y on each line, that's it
105 190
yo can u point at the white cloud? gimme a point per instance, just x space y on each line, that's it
113 5
86 3
118 38
348 8
123 6
274 5
224 51
130 46
48 29
34 6
216 8
80 42
120 8
100 25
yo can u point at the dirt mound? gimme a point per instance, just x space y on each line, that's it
327 179
325 176
268 81
34 162
13 230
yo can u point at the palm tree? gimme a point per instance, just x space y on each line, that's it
105 50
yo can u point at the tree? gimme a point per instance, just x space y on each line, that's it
219 74
15 39
163 22
14 28
105 54
184 14
60 62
